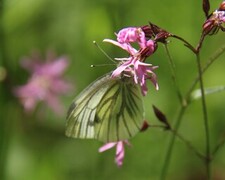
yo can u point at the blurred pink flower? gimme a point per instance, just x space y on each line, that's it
45 83
120 150
134 64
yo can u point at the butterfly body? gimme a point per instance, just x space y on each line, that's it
108 110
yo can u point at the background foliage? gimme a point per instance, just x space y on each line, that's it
34 146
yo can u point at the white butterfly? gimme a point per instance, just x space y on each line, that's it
108 110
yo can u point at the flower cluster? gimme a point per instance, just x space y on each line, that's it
134 65
215 21
45 83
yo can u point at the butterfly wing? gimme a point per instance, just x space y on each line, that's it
120 113
81 114
108 110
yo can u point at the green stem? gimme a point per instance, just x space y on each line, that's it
6 97
219 145
188 144
211 60
186 43
178 120
2 119
173 74
205 117
185 141
171 144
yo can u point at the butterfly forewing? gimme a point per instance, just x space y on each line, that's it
108 110
81 114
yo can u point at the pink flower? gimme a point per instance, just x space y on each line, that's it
134 65
45 83
140 72
120 150
131 34
127 36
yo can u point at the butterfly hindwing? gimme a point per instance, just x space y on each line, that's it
107 110
120 111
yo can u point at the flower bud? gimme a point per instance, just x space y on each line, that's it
222 6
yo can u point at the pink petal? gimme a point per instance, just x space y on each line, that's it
114 43
59 86
120 153
28 103
125 46
127 35
107 146
55 68
144 89
119 147
131 34
54 103
120 69
123 59
154 81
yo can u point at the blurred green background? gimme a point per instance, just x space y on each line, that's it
35 147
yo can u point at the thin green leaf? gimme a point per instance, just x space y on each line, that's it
212 90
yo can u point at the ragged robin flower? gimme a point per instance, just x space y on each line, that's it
45 84
135 65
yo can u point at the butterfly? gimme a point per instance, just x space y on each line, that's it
109 110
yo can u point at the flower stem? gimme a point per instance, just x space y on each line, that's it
5 121
219 145
188 144
205 117
178 120
186 43
185 141
211 60
173 74
171 144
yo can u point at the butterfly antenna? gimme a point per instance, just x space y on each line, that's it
96 44
99 65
